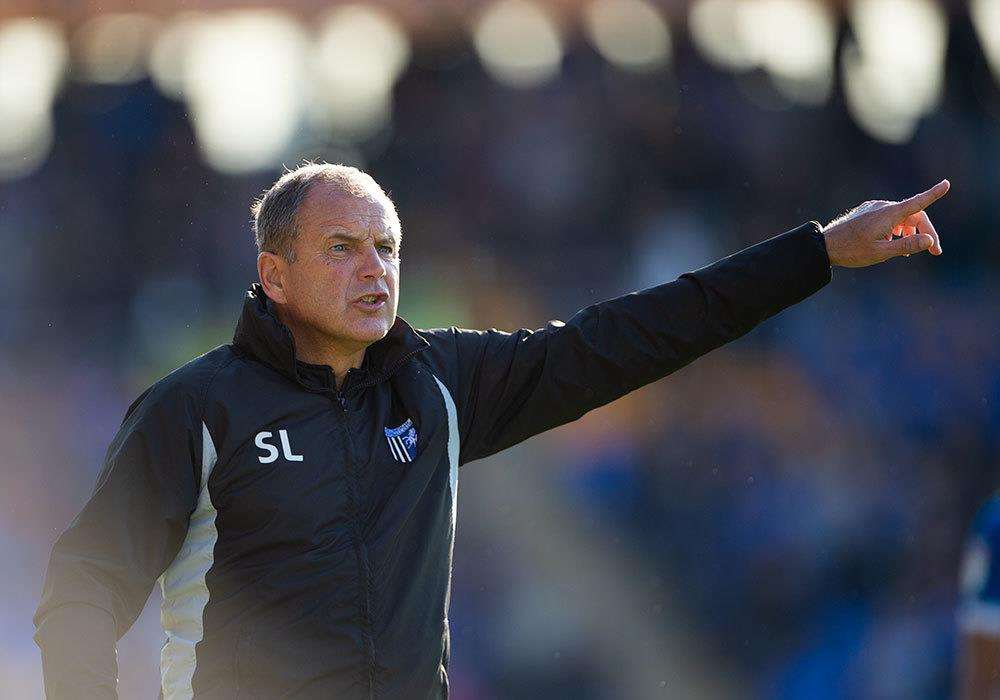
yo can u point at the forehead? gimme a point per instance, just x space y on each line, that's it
328 209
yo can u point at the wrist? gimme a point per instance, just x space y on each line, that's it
828 244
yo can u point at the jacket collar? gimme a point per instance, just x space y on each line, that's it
260 334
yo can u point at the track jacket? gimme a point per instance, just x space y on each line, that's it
302 535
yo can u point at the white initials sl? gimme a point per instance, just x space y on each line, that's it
272 451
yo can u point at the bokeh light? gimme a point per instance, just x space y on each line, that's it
889 89
518 43
986 18
629 33
359 55
170 51
33 56
243 81
793 40
114 48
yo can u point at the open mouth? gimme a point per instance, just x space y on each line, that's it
372 301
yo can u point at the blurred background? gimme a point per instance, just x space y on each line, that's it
782 519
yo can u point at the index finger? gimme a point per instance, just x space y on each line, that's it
919 202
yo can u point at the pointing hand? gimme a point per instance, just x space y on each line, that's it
864 235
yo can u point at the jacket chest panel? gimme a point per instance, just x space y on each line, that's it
285 484
399 439
308 480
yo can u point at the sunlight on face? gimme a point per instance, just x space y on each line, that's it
344 283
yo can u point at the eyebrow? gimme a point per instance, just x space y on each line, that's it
338 235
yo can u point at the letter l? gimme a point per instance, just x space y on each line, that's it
287 449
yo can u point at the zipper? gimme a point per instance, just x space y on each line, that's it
375 380
364 568
341 396
341 393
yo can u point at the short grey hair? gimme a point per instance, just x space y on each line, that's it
275 213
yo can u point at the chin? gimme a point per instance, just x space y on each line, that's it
370 332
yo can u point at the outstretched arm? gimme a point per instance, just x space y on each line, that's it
510 386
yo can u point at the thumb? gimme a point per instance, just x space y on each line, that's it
906 246
919 202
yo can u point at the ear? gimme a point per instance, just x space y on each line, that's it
273 272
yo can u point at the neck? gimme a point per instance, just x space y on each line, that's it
318 349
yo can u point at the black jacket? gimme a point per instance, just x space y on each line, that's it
303 536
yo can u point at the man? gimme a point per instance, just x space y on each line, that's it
979 608
295 492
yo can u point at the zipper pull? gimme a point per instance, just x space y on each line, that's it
342 400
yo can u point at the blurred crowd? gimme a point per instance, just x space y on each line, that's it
803 492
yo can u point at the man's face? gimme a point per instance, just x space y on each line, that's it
347 248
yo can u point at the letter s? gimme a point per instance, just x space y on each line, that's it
259 442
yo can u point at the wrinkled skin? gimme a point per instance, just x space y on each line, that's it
347 246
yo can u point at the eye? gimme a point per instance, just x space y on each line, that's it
387 249
339 247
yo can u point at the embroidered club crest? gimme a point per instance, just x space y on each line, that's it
402 442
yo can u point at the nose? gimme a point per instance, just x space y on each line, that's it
372 265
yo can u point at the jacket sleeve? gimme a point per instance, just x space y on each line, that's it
511 386
104 565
